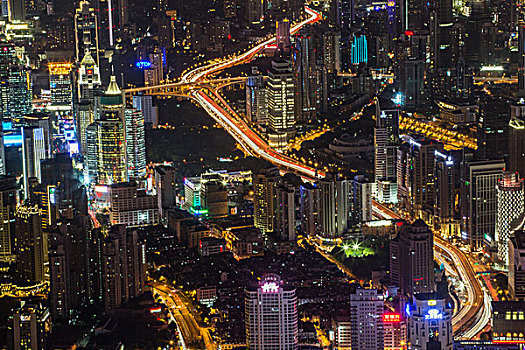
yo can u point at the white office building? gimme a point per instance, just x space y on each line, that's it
271 316
366 310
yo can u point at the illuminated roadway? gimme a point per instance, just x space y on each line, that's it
475 314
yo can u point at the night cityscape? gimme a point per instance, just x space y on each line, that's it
262 174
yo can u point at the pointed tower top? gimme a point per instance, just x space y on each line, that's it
113 88
88 59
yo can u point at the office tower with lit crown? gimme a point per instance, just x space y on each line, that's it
88 77
30 244
479 201
123 266
111 138
510 200
265 198
60 85
271 315
517 266
8 201
135 144
86 32
305 79
28 326
412 259
430 322
280 92
386 143
366 310
256 99
282 29
334 206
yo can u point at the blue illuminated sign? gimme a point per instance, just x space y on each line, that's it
407 310
433 314
7 126
12 140
143 64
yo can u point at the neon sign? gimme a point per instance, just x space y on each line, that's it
391 318
143 64
433 314
270 287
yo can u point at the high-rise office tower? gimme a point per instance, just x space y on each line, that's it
366 310
510 200
414 15
516 161
415 176
123 266
61 86
430 323
149 111
334 206
445 184
132 206
271 315
15 86
386 143
166 188
280 92
359 50
361 200
282 29
84 112
265 198
255 11
111 138
29 326
91 154
521 58
8 202
412 259
394 330
34 150
517 266
441 22
88 77
479 201
305 79
30 244
135 144
112 19
86 32
493 129
59 280
285 220
331 52
309 195
256 99
347 14
17 10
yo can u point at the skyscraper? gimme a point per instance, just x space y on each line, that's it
34 150
282 29
446 176
412 259
86 32
61 86
88 77
366 310
521 58
359 51
165 186
285 220
265 198
256 99
135 144
517 266
255 11
149 111
29 326
8 202
430 322
516 162
305 79
271 315
111 138
17 10
30 243
309 195
386 143
280 92
510 200
479 201
334 206
361 200
15 84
